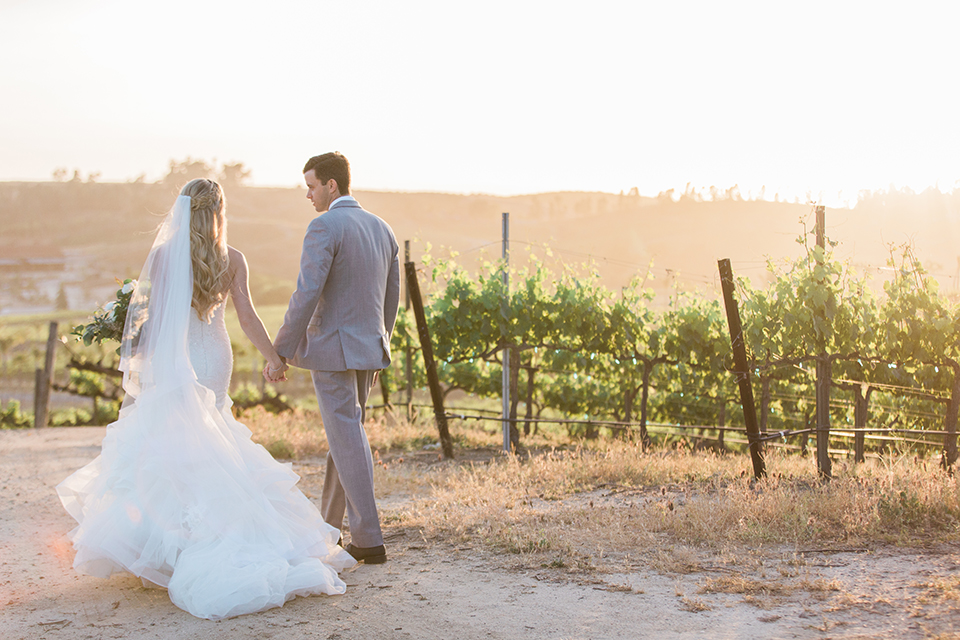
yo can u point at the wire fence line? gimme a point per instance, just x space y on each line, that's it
766 437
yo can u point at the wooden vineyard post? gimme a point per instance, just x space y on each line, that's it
39 407
426 347
43 380
823 415
823 380
860 416
950 437
408 362
741 370
506 425
805 436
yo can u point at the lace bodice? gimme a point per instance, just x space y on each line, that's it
210 352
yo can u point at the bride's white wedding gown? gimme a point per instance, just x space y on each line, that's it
181 497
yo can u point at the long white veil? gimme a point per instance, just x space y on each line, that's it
153 353
180 496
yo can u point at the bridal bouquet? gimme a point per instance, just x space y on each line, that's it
108 320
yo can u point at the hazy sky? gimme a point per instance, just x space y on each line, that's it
496 97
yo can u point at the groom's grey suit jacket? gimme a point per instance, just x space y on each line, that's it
343 312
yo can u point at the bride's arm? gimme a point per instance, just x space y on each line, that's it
250 322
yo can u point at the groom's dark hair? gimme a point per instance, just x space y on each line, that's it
331 165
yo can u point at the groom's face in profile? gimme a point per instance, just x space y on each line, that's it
321 195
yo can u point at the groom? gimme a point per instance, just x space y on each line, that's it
338 326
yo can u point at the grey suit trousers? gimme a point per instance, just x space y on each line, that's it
348 485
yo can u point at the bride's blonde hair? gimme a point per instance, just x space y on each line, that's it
208 245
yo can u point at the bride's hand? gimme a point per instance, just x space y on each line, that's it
275 373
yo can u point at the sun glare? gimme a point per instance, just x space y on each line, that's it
817 103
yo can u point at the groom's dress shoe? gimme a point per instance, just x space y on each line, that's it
368 555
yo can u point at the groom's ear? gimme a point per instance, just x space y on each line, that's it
332 185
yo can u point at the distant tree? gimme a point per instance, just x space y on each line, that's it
690 193
234 175
62 303
76 176
94 176
60 174
181 173
634 191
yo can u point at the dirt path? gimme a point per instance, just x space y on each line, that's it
436 591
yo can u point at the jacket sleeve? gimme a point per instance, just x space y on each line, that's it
319 249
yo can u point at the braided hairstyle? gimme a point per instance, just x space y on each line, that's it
208 245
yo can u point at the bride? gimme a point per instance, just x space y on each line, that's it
180 496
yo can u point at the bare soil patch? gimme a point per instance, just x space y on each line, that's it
438 589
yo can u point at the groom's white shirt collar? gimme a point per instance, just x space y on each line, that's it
341 198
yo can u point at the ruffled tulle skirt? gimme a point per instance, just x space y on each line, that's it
181 497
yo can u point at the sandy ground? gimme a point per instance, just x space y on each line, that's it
437 590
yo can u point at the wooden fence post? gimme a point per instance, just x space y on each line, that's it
426 348
805 436
823 414
529 426
824 366
741 369
408 363
860 415
507 427
950 425
43 379
39 408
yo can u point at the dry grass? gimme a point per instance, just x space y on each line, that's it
941 590
604 514
299 434
619 499
694 605
294 434
616 508
746 585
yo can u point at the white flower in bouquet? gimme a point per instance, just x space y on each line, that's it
108 321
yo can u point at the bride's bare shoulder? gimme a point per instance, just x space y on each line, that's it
236 257
237 267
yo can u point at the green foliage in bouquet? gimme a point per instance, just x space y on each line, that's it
108 321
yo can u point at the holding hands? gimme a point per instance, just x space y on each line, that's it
276 371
